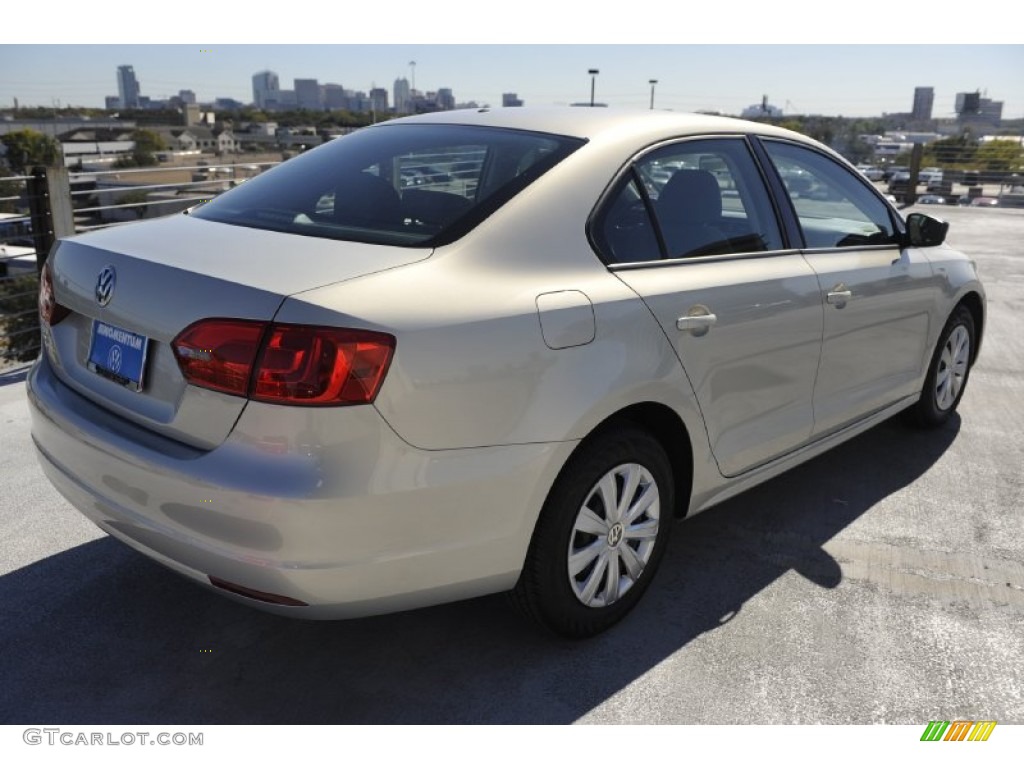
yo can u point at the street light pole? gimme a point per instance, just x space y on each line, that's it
653 83
593 76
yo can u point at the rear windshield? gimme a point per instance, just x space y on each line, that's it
412 185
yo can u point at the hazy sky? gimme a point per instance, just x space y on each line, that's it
840 78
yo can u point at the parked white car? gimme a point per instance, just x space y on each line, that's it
872 172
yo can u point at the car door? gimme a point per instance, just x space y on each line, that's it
877 296
691 229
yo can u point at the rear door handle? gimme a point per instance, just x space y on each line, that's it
839 295
698 320
689 323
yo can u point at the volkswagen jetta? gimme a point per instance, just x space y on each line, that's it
332 393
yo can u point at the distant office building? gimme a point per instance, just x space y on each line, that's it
924 99
511 100
973 108
968 103
227 103
379 99
113 102
445 98
358 101
127 87
280 100
263 83
307 94
764 109
991 111
334 96
402 96
187 97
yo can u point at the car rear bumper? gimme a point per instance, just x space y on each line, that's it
326 507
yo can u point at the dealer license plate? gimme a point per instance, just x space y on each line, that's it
118 355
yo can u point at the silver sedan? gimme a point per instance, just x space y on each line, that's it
331 393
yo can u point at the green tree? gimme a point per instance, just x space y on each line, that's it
139 197
146 143
27 148
18 318
955 151
1000 156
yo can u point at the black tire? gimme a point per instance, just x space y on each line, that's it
546 591
946 381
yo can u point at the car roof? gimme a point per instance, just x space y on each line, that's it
596 123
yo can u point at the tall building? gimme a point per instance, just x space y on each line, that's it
127 87
279 100
379 99
511 100
975 108
924 98
187 96
402 96
335 97
307 93
262 84
445 98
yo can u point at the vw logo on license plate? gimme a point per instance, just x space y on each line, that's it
105 286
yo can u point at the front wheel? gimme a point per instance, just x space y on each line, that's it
600 536
947 375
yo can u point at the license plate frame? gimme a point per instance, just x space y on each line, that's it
118 355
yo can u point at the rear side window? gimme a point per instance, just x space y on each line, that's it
701 197
412 185
833 204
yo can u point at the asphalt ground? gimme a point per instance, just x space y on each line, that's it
879 583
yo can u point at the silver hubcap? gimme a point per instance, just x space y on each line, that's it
613 536
949 378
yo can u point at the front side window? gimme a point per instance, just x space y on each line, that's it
702 197
835 208
412 185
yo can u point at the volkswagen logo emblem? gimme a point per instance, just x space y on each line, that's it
114 359
105 286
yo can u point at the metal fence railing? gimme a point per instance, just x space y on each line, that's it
19 281
119 196
37 209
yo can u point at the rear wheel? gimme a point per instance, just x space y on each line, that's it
947 375
600 536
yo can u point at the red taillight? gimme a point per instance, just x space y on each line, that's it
49 310
219 354
296 364
322 366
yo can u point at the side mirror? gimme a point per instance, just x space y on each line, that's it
924 231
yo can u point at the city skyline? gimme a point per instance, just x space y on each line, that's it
832 80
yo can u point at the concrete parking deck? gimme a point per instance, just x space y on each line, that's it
881 582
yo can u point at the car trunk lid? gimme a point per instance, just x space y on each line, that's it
163 276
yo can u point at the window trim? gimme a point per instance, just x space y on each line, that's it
709 259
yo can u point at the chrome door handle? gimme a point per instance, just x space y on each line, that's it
697 320
690 322
839 295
